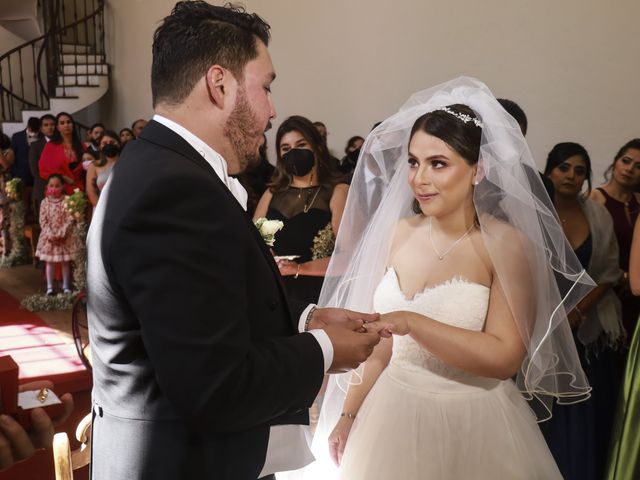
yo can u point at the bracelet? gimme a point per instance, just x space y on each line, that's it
309 317
350 416
297 272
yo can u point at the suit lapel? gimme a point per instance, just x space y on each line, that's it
156 133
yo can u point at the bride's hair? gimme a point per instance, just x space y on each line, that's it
454 125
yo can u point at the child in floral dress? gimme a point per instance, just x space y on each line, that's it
56 243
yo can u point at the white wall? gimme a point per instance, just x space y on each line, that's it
572 64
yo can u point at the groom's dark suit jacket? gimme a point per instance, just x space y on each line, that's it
194 348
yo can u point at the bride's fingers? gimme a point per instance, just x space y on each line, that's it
384 329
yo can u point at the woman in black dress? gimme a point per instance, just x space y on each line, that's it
308 195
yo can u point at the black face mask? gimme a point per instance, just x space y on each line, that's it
111 150
298 161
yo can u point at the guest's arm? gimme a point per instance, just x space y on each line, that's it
634 261
90 187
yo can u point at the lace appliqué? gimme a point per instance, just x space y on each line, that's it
457 302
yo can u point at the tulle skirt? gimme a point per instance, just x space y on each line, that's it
419 425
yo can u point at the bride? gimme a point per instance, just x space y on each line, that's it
466 262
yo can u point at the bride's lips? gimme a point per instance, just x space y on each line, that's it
425 197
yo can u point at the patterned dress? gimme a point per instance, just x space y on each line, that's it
56 242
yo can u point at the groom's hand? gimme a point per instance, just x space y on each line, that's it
327 316
351 347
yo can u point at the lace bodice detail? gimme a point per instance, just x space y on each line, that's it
456 302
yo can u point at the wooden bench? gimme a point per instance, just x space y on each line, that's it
32 233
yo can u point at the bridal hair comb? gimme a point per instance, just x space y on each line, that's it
462 116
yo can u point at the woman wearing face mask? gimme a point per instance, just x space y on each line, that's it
578 435
99 171
308 195
56 243
63 155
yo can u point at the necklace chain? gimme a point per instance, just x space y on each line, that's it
453 245
307 207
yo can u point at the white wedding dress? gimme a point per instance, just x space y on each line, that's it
424 419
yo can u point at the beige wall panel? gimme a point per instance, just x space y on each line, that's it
571 64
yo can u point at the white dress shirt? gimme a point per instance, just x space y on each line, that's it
288 447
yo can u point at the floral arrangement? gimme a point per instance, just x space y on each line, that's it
323 243
268 229
40 302
13 189
76 205
18 253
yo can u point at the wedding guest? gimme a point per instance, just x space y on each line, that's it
137 126
519 116
95 135
516 112
47 127
618 197
20 143
624 457
322 130
63 154
578 435
126 134
99 170
56 244
7 158
352 150
308 196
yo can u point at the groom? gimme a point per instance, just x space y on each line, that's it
199 369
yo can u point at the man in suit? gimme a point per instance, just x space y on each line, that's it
47 127
199 369
20 143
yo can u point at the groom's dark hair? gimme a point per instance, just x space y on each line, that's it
197 35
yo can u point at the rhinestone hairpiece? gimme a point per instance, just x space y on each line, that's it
462 116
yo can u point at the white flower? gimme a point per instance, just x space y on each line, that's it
270 227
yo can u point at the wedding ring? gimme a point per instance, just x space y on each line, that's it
43 394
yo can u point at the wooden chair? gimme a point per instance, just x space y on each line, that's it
80 329
65 460
32 233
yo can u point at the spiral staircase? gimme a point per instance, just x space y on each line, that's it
61 66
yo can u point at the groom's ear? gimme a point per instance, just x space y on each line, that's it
216 79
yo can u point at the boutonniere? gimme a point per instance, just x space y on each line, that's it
268 229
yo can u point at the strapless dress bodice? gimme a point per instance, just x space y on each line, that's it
457 302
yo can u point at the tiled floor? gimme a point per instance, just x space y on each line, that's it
27 280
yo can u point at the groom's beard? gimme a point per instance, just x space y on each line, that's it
243 132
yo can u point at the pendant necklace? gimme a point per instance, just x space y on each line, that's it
453 245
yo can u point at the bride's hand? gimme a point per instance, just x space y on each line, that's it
338 439
392 323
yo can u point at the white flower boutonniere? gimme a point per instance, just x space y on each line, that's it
268 229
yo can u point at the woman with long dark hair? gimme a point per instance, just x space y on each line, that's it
307 194
63 154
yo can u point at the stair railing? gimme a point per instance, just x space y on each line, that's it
34 72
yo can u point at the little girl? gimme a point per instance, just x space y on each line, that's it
56 244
